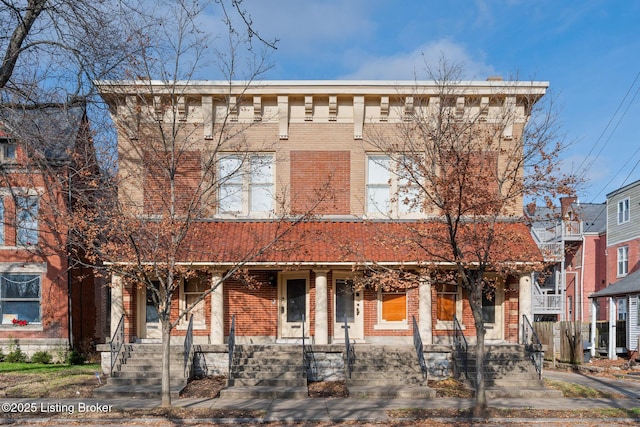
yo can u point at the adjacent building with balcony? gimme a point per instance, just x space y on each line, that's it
572 239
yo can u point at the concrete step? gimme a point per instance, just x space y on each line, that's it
269 374
141 382
384 382
147 374
268 392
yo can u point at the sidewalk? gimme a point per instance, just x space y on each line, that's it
374 410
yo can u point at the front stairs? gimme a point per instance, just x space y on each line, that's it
509 372
385 371
138 372
267 372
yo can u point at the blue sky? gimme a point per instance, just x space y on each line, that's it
588 50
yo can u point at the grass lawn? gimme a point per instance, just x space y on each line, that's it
38 380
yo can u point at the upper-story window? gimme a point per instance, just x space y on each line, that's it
7 149
623 211
246 184
390 190
27 220
623 260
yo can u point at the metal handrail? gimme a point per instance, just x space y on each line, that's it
417 343
532 344
461 345
304 350
232 342
188 348
117 342
349 349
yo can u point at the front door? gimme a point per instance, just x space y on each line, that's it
492 309
348 307
148 318
293 308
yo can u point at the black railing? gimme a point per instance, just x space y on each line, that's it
117 342
417 343
350 353
305 351
532 344
232 342
461 347
188 348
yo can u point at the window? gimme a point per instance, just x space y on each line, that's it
193 289
27 220
393 307
246 184
623 260
20 298
447 297
623 211
8 150
391 186
621 303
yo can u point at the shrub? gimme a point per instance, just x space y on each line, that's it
41 357
75 358
16 356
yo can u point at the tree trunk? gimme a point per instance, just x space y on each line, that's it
166 360
475 301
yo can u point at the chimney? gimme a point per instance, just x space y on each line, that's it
565 204
531 209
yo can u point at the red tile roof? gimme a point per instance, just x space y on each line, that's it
331 242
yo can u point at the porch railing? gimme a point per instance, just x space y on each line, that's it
417 343
307 354
188 348
532 344
232 342
350 354
117 341
461 346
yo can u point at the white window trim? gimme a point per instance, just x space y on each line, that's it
624 211
386 325
447 325
622 260
394 188
184 322
247 186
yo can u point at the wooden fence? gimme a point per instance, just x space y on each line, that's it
563 341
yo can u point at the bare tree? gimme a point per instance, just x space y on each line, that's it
466 161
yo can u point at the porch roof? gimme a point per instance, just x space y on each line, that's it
630 284
340 242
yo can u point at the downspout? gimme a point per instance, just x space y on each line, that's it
584 244
69 281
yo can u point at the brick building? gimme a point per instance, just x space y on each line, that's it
300 147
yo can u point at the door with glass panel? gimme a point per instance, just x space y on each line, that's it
293 310
348 306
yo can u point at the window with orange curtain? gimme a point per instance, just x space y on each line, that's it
446 302
394 307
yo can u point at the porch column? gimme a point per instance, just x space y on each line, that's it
524 301
425 323
216 333
612 330
117 302
594 317
322 308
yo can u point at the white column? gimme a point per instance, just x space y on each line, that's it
524 300
594 318
216 333
612 329
117 302
425 323
322 308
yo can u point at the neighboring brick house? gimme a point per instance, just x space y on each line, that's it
45 302
307 136
619 302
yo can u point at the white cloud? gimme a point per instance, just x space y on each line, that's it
410 65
